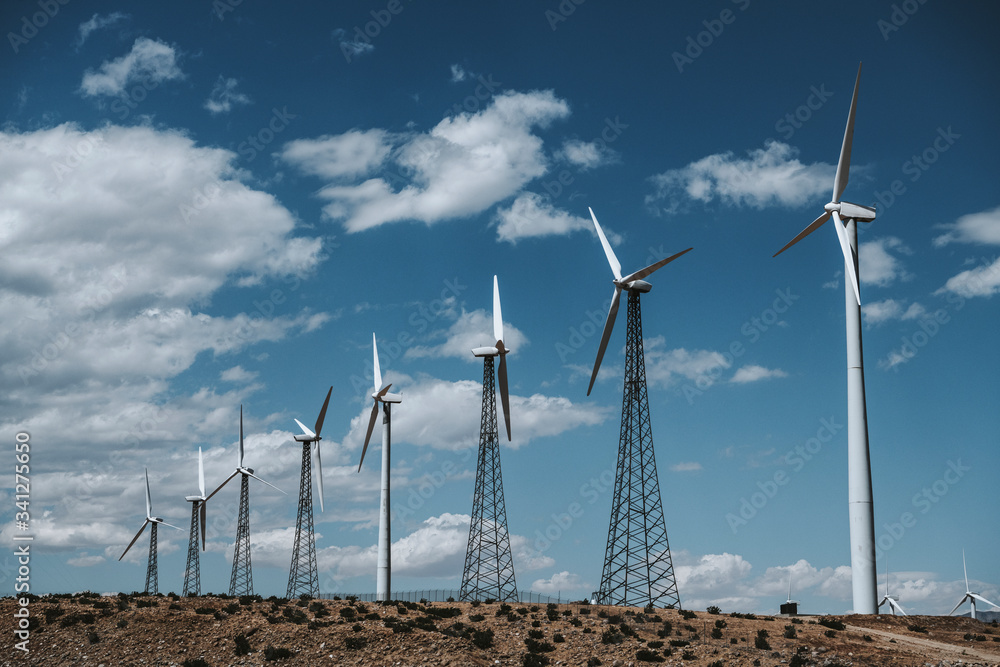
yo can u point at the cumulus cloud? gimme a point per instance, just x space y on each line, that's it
768 176
983 280
351 154
587 155
469 330
238 374
458 74
532 215
754 373
686 466
880 265
560 582
462 166
150 61
351 48
980 228
887 310
103 297
224 96
665 367
97 22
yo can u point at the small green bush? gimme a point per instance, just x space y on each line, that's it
355 643
242 644
713 610
789 632
645 655
482 638
271 653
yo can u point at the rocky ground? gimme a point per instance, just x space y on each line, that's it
193 632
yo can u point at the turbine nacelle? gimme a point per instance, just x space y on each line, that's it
194 499
640 286
849 211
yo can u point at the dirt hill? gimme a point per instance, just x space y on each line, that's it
157 630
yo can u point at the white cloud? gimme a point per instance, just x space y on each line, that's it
532 215
981 228
984 280
458 74
150 61
770 176
352 48
103 292
664 367
462 166
686 466
224 96
238 374
754 373
351 154
97 22
880 312
587 154
85 561
470 330
879 266
560 582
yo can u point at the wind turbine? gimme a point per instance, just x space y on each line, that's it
381 395
303 578
489 565
969 595
790 607
153 522
241 581
861 509
894 605
192 572
638 569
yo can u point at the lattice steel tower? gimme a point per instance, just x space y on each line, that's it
192 571
241 581
151 583
489 566
303 576
638 570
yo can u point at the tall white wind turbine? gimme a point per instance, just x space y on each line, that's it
969 595
152 522
860 506
383 583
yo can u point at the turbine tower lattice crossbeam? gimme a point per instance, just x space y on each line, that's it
489 565
303 577
638 569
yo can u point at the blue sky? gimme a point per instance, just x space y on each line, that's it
205 205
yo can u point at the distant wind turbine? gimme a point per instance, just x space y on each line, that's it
969 595
153 522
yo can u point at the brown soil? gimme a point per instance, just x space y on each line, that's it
118 631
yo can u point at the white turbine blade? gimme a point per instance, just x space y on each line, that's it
958 605
497 316
844 165
167 524
134 539
378 371
982 599
964 569
609 324
895 605
368 436
319 477
265 482
504 394
241 438
850 262
201 474
642 273
221 485
305 430
813 226
322 413
616 266
149 502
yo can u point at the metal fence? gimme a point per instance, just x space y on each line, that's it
440 595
